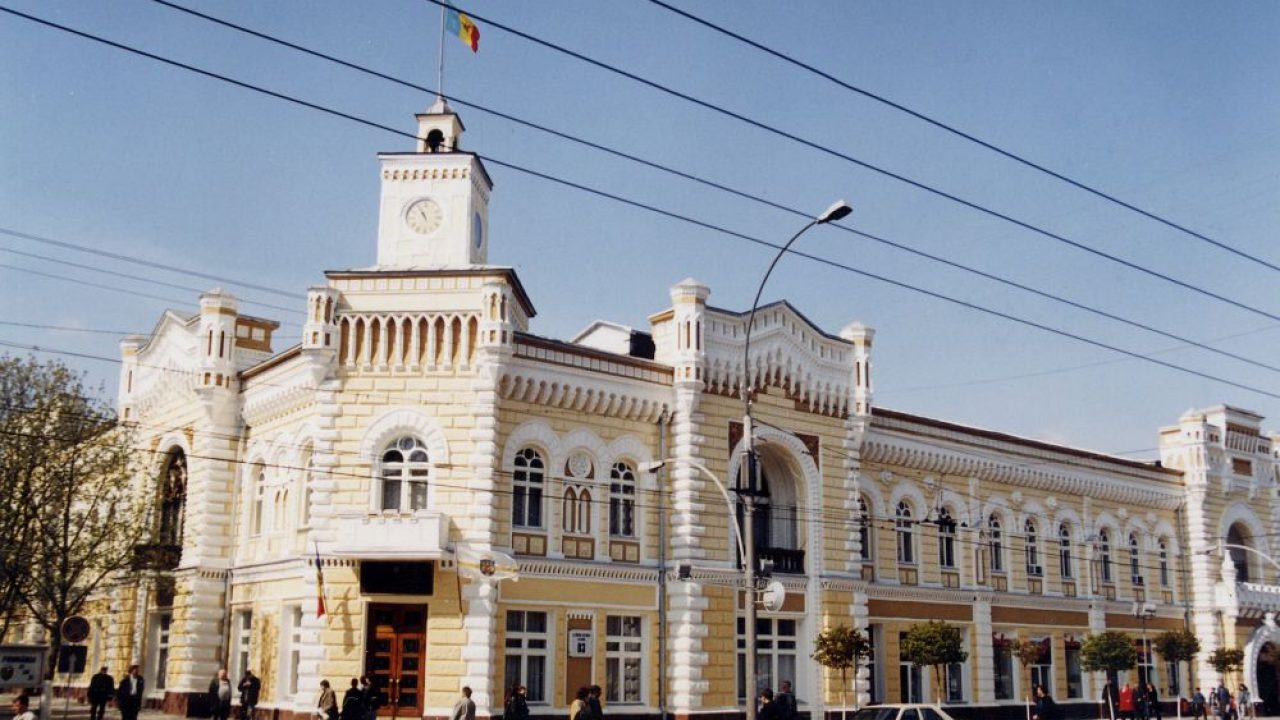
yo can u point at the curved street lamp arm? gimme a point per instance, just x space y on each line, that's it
755 304
1246 548
724 492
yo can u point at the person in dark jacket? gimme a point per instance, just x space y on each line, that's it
768 708
129 694
786 701
1153 703
1046 708
370 696
593 703
353 702
250 686
1110 700
517 707
220 696
101 687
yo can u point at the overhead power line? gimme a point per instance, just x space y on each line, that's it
1020 159
654 209
708 183
1000 215
120 256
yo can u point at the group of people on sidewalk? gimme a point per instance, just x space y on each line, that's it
1132 703
1222 704
128 694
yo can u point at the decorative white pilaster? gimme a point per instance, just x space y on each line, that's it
984 660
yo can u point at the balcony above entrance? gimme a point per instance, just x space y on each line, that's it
1257 599
423 535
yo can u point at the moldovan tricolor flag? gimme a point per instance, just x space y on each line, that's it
464 27
319 585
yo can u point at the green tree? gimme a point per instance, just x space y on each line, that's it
840 648
1028 653
1227 660
1177 646
934 644
66 471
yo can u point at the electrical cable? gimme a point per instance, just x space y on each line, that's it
1022 160
708 183
862 163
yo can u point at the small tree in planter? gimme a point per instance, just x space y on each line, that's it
1027 652
1177 646
1108 652
840 648
1226 661
934 644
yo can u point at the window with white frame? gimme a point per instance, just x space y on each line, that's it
874 681
1146 662
1042 667
995 543
279 511
946 539
1173 677
1032 549
622 501
1164 562
242 642
304 497
526 653
906 534
164 623
623 658
293 648
1075 678
1002 657
403 471
526 491
910 678
776 653
1065 566
953 677
1104 558
1135 564
865 531
259 499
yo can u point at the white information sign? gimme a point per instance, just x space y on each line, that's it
22 666
580 643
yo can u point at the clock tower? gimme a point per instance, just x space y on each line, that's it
434 211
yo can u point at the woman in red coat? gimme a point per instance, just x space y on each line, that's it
1128 704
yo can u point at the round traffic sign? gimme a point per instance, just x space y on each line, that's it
75 629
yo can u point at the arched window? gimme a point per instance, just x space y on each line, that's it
1135 567
575 510
865 530
173 498
404 471
946 539
906 534
622 501
1032 548
304 497
996 543
1239 558
526 492
1104 545
259 500
1064 551
1164 562
279 513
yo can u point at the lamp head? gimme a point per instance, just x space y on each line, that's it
651 467
839 209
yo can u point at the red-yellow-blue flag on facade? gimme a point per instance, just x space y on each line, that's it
457 23
319 585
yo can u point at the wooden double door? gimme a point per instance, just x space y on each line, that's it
395 657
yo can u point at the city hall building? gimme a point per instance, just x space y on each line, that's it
484 508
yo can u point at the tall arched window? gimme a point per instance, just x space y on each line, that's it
1032 548
304 497
622 501
404 470
1164 562
173 498
526 491
946 539
906 534
996 543
1135 567
258 511
1104 545
1064 552
865 530
1240 558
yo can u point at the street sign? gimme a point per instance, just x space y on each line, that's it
22 666
580 643
773 596
75 629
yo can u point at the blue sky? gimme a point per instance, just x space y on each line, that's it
1170 105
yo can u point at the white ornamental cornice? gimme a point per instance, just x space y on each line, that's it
268 403
582 390
610 572
1050 472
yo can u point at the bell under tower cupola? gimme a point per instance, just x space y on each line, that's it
434 212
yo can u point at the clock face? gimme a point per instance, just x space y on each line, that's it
424 216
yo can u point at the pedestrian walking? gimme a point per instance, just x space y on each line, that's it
1222 697
327 706
579 709
129 694
1046 708
250 686
1245 701
465 708
1110 699
786 701
517 707
370 696
1199 706
1128 703
1152 698
101 687
220 695
768 708
22 708
593 703
353 702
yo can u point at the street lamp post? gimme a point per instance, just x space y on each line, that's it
1144 610
748 488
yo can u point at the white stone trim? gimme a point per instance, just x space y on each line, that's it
405 420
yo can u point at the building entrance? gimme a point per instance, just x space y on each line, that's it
395 657
1268 679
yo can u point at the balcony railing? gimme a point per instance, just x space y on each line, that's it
789 562
156 556
1258 597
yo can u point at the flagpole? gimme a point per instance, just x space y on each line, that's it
440 79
